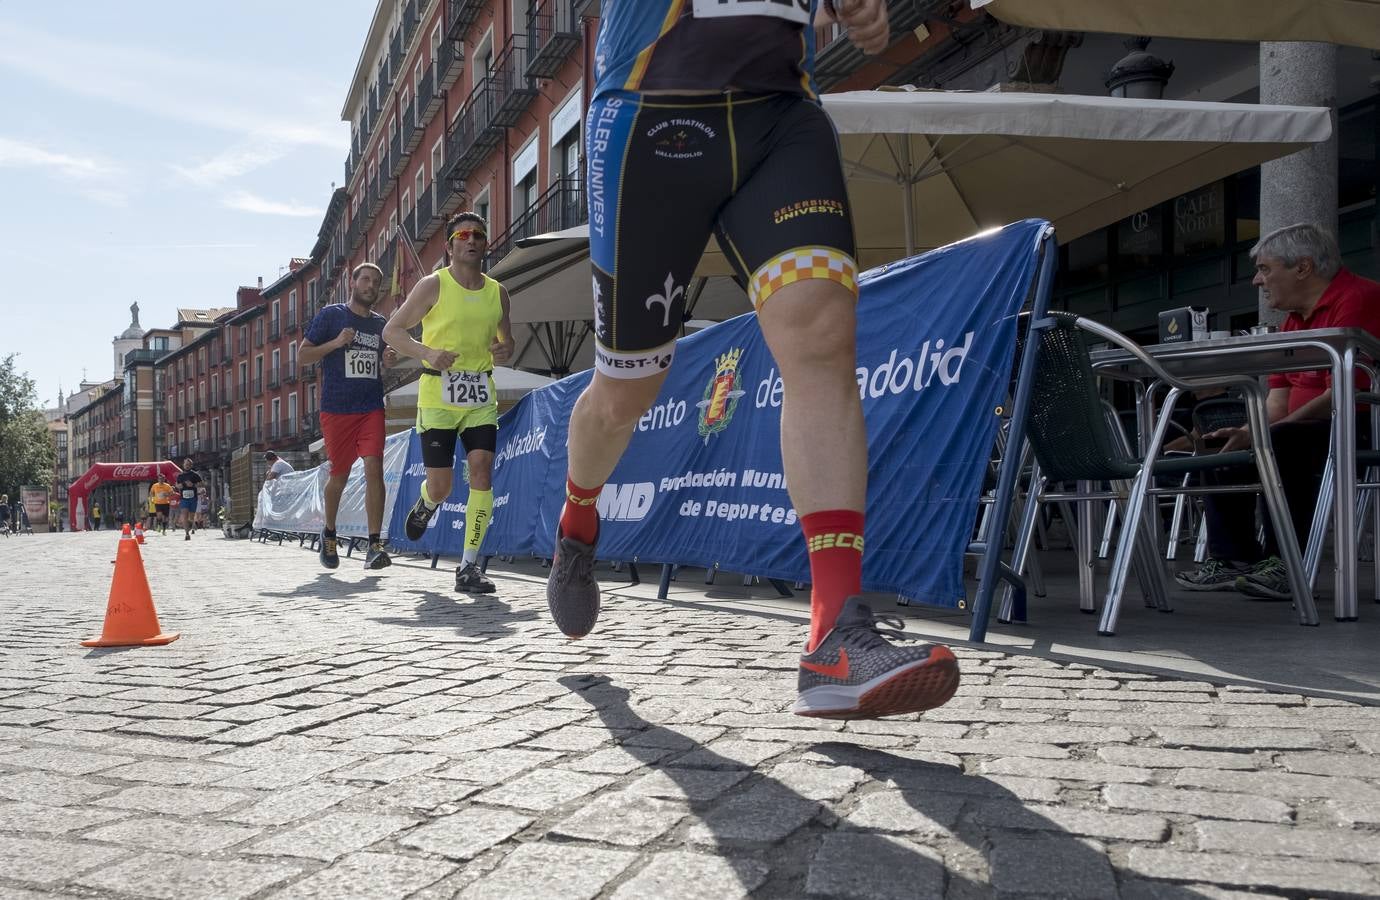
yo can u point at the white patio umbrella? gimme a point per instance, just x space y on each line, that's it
1355 23
926 168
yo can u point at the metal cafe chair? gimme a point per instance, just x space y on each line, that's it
1208 416
1073 442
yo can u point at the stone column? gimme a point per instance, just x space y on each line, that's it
1301 187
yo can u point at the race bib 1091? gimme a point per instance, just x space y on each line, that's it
791 10
361 363
465 390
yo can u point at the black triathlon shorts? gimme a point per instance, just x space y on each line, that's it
760 172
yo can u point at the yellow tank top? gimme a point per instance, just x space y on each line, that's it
464 322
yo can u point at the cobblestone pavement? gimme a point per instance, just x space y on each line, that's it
374 735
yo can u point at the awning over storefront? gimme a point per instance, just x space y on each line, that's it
1354 23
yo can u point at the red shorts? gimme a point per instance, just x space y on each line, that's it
350 436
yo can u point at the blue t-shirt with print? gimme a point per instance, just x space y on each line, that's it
352 376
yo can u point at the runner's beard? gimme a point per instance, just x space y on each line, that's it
359 298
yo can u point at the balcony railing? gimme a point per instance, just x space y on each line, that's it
513 90
460 14
258 337
561 206
411 18
258 386
273 379
450 61
396 157
201 366
290 374
291 324
423 218
275 330
428 97
309 373
395 54
227 401
355 233
376 191
411 134
554 30
200 405
475 135
243 344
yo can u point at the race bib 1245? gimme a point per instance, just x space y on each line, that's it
465 389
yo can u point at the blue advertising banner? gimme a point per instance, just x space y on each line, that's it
702 483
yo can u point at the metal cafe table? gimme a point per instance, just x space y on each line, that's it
1338 349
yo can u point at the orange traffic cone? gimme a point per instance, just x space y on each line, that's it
130 620
138 533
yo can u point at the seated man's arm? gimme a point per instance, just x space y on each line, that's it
1277 403
1319 409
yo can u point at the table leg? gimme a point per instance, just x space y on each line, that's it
1322 514
1344 536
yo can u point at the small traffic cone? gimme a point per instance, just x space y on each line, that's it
138 533
130 620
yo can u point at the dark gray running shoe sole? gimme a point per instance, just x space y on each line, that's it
572 593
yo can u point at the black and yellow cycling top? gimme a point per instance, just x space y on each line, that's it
689 46
705 122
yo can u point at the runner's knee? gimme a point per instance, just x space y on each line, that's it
811 325
619 403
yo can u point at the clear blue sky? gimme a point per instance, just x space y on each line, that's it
159 151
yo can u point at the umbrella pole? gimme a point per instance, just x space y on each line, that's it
907 196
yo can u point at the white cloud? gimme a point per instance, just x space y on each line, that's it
247 202
239 159
16 154
204 92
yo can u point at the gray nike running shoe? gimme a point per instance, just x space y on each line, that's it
572 593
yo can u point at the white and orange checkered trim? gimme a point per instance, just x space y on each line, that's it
799 265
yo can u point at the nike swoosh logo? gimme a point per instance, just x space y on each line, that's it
837 670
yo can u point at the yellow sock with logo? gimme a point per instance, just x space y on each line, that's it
426 498
479 509
834 541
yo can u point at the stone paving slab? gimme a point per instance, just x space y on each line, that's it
345 734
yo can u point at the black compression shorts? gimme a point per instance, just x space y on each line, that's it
438 444
761 173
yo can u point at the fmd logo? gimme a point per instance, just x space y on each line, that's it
626 502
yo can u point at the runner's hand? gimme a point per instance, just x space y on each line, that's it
441 359
390 357
345 338
501 351
866 20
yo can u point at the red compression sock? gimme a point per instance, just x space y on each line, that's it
580 517
834 539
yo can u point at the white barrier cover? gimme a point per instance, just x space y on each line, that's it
296 502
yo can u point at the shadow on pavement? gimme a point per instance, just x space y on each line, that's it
471 615
767 831
328 586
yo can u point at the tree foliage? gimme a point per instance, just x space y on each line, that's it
26 446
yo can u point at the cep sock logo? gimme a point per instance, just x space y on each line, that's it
842 540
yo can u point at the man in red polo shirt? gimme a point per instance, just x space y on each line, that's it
1299 271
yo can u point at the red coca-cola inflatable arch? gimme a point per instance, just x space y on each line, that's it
79 494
